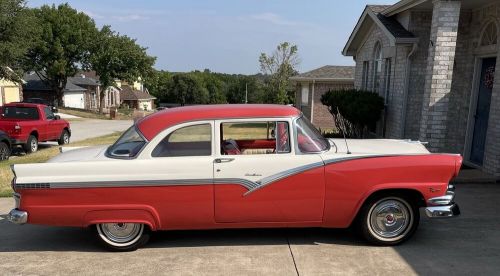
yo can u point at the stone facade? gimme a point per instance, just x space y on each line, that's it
435 82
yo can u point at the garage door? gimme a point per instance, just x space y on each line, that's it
11 94
73 99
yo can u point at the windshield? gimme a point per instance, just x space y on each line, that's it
309 140
128 145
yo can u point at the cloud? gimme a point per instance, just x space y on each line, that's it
118 16
129 17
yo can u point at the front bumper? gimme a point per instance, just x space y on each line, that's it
446 211
17 216
443 206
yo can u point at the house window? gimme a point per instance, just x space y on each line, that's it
377 67
304 94
193 140
490 35
364 80
387 78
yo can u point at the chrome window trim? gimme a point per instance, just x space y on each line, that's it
296 139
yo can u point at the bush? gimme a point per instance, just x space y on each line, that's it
354 111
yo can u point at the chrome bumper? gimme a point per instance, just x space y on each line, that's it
17 216
443 211
443 206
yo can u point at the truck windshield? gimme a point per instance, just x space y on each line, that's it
19 112
309 140
128 145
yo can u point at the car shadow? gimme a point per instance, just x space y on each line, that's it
19 151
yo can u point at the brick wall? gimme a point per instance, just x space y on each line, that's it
322 117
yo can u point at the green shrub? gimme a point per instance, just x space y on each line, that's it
354 111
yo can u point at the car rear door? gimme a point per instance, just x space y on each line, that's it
263 185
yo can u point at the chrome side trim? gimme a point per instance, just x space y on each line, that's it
284 174
442 200
17 216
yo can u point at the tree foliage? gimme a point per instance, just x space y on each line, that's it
114 56
279 66
354 111
64 44
18 29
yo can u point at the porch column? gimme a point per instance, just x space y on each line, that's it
443 40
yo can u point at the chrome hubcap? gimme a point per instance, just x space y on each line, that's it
66 138
121 234
389 218
34 145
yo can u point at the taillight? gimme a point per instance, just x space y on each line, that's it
17 128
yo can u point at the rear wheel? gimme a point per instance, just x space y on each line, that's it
31 145
388 220
4 151
122 236
64 139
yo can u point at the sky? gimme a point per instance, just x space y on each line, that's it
228 36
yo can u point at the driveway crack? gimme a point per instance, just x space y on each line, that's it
291 254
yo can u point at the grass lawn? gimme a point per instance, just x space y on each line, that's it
121 115
46 152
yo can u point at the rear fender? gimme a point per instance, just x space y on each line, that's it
144 214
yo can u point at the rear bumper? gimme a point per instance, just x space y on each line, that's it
446 211
17 216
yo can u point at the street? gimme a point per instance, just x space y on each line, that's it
468 244
89 128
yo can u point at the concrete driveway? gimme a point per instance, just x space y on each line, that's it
89 128
469 244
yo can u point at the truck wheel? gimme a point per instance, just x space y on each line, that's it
388 220
31 145
4 151
122 236
64 139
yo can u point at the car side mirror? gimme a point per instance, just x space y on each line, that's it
57 117
54 109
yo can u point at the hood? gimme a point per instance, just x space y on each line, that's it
378 146
69 154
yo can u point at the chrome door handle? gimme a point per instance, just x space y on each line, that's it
223 160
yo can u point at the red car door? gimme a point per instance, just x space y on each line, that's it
278 186
54 127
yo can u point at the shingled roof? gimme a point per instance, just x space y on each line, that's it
33 82
127 93
392 25
327 72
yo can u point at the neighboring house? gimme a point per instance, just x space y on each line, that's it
133 97
310 86
81 91
435 63
9 92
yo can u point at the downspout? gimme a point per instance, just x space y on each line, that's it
312 102
407 87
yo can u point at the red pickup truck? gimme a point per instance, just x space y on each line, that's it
28 123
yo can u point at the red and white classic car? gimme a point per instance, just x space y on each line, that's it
236 166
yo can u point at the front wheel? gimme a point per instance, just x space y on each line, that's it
64 138
122 236
388 220
4 151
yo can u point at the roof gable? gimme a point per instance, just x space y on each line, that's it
373 15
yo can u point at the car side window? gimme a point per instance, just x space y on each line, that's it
248 138
193 140
49 115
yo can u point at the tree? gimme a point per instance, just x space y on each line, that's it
354 111
114 56
158 84
63 45
18 28
187 89
279 66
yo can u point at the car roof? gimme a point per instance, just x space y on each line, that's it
151 125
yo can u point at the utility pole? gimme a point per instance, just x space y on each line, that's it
246 93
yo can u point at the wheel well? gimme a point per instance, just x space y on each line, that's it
34 133
6 142
67 129
410 194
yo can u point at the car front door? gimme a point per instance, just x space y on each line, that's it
259 177
53 128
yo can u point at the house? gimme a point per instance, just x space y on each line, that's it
81 91
310 86
135 96
9 91
435 63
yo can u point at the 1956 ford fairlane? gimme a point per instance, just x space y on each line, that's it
236 166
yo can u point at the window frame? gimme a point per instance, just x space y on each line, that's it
288 120
387 78
364 75
377 62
